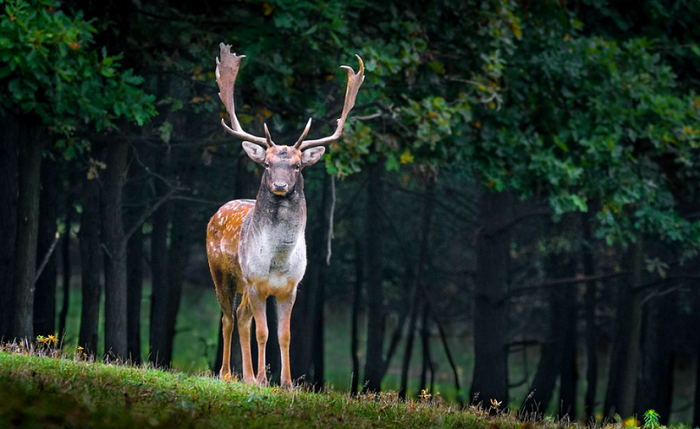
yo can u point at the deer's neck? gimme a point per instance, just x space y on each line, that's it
281 213
278 223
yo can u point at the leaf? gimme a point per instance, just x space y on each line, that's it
406 157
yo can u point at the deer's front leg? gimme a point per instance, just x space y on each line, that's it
257 306
245 317
284 315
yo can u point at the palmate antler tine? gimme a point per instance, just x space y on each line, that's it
226 71
354 82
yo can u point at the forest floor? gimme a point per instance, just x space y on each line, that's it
54 392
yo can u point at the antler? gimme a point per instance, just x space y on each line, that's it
354 82
226 72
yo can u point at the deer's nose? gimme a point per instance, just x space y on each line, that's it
280 186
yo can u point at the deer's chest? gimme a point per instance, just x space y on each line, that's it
275 258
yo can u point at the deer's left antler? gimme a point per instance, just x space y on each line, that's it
354 82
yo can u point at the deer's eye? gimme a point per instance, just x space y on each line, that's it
267 164
297 166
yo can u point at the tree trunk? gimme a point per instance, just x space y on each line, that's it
317 339
568 376
305 319
66 260
134 280
115 250
45 296
355 316
558 359
8 219
178 257
490 313
425 344
135 196
696 337
30 147
159 351
410 336
90 265
374 363
542 389
591 328
419 288
625 355
656 370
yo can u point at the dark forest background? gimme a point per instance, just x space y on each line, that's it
512 215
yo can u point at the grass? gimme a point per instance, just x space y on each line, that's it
53 392
197 334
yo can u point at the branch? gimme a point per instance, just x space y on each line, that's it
568 281
148 212
47 257
149 171
330 222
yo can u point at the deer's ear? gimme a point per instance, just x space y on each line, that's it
255 152
311 156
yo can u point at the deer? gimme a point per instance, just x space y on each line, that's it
256 248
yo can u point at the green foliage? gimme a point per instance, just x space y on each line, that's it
588 120
50 67
589 108
651 420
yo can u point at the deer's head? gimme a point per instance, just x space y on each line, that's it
283 164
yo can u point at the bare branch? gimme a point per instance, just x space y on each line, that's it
47 257
148 212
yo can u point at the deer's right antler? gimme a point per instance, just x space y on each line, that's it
226 72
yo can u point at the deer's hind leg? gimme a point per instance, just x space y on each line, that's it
226 294
245 318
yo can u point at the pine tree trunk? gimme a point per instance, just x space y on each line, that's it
30 147
115 250
90 265
45 296
8 218
490 310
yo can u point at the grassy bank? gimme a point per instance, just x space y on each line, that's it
51 392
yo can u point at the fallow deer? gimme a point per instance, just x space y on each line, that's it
256 247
